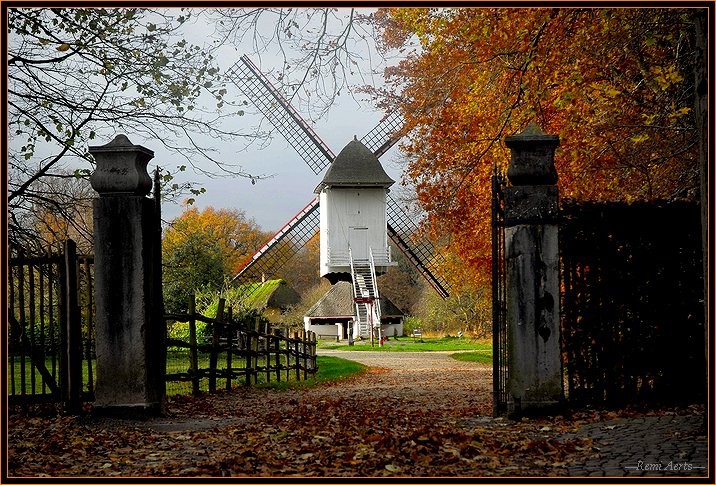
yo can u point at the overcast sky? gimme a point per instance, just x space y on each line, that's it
273 201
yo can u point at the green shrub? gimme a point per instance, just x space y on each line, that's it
411 323
180 331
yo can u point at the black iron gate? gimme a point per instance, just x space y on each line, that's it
499 301
50 344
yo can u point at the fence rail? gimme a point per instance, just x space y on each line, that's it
238 350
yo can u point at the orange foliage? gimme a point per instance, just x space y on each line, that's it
55 228
615 84
236 237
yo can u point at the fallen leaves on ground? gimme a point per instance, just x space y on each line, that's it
324 438
369 427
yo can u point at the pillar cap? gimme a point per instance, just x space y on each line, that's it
532 134
121 144
532 160
121 168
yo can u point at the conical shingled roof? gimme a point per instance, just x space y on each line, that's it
355 166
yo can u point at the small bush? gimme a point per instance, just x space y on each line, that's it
411 323
180 331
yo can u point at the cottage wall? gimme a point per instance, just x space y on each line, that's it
331 328
325 328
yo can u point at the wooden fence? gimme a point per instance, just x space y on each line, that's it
235 349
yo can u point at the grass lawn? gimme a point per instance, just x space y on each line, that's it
330 370
408 344
18 367
481 356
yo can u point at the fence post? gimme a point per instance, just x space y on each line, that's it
247 350
267 351
229 332
314 362
255 349
16 331
130 363
296 355
89 294
304 353
532 267
72 386
193 352
277 351
214 355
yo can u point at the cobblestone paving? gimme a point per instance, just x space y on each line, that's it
645 446
670 445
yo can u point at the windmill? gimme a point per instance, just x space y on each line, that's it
296 233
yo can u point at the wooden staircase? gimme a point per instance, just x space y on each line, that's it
365 295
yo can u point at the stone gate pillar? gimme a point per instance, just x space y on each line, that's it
130 364
532 265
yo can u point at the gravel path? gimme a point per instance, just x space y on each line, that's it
667 445
421 380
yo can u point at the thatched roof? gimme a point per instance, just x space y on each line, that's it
271 294
355 166
338 302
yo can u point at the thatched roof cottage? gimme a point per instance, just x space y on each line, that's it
335 311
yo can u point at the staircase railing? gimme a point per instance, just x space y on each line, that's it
376 295
338 258
362 294
381 257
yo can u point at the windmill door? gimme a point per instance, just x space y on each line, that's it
358 242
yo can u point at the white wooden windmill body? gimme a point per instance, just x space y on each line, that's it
354 229
353 222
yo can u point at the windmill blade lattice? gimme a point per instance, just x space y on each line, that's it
382 137
279 112
423 256
283 246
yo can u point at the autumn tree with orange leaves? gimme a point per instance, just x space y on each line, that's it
69 216
616 85
201 249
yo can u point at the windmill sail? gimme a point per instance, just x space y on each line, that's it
279 112
317 155
383 136
424 255
278 250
